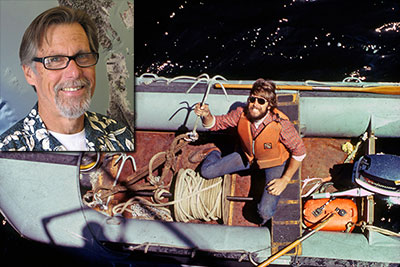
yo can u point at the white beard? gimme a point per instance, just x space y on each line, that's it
69 107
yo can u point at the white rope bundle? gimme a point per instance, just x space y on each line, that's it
195 198
136 205
199 198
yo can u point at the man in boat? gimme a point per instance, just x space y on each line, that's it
269 142
58 54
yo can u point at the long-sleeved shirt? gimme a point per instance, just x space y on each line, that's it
101 134
288 136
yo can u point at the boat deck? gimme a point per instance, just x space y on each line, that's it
323 155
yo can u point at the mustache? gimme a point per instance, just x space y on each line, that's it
75 83
253 107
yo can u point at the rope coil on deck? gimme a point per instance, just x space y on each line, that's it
195 198
203 197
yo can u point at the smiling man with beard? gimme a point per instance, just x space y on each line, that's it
58 54
269 142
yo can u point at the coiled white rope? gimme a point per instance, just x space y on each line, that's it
203 197
194 198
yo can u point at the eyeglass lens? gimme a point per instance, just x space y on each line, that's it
82 60
260 100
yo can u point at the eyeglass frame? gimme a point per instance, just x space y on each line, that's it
42 60
257 98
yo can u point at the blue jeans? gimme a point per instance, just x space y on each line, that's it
214 166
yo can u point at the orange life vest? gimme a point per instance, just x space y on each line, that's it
265 149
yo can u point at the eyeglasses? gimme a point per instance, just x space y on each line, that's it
83 60
260 100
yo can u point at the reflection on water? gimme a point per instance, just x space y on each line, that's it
280 40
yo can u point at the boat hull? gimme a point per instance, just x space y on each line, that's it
168 107
46 206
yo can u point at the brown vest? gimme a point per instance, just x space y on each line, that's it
265 149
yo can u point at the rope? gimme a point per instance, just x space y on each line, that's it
313 188
363 225
204 197
195 198
381 230
129 206
155 180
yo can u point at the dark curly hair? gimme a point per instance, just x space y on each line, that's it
265 89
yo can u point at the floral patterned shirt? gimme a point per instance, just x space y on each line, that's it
101 134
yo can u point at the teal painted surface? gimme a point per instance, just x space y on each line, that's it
45 205
326 115
351 246
182 235
350 116
163 111
42 201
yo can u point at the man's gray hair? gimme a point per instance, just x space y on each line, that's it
35 34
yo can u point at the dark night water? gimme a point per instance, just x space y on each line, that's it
322 40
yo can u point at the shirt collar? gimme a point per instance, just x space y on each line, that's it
257 123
